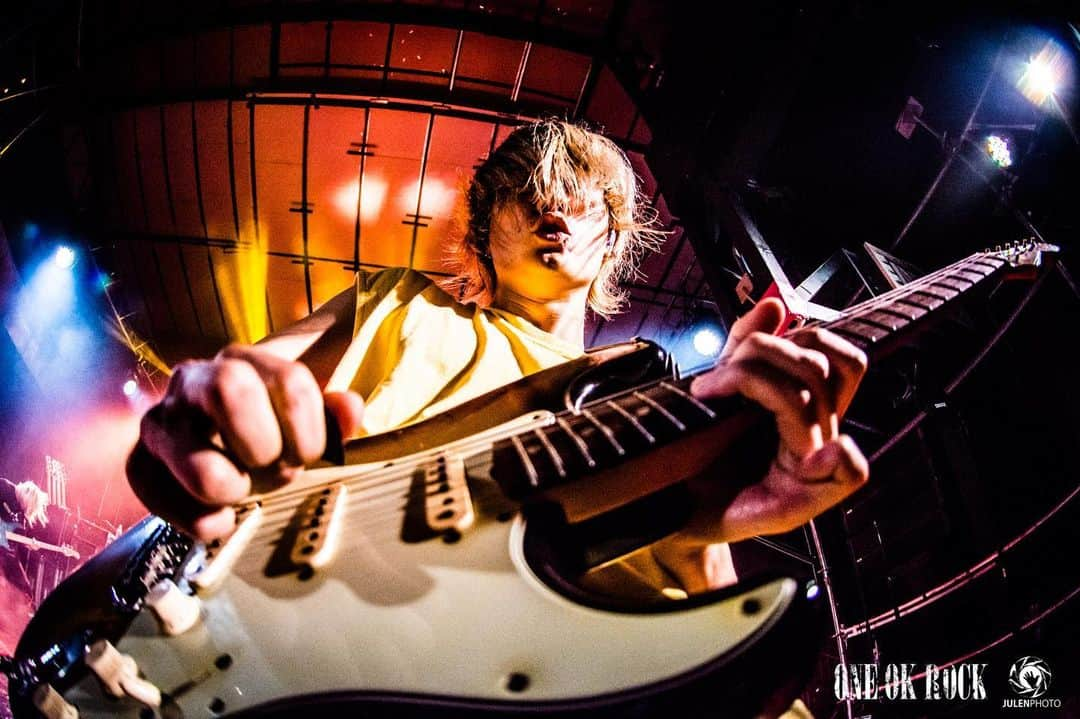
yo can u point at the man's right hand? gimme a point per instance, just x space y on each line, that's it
247 419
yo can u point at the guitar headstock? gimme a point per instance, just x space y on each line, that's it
1024 257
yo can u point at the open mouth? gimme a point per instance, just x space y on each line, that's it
553 247
554 237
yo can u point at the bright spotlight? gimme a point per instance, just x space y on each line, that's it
64 257
707 342
812 590
130 388
1042 77
1044 74
998 149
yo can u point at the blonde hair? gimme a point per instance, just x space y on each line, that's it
33 501
552 164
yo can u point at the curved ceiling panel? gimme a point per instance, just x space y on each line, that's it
255 163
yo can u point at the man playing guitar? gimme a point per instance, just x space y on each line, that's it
555 219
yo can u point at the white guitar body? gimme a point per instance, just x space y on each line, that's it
464 622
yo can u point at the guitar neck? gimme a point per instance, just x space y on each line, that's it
649 419
37 545
881 323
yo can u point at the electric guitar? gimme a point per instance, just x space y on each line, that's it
35 545
424 572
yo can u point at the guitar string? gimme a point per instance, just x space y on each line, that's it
393 487
387 483
390 469
393 483
407 466
389 492
386 480
361 518
402 469
256 560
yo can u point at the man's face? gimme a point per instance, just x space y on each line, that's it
548 254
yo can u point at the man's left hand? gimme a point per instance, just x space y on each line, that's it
806 381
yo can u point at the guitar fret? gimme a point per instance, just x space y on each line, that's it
945 290
985 262
690 398
912 310
879 317
868 320
634 421
936 299
924 290
952 282
578 441
662 410
530 468
665 409
872 333
552 452
891 321
605 430
965 271
853 336
912 303
906 316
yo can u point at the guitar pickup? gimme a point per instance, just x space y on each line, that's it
319 521
221 555
448 505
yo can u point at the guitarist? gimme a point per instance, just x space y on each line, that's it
554 220
22 508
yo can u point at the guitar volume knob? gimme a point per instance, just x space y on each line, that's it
51 705
175 610
119 674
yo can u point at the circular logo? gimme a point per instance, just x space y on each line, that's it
1030 677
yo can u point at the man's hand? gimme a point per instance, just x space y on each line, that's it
245 419
806 382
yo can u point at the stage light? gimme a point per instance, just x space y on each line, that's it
1041 77
812 589
64 257
130 388
1044 74
998 149
707 342
697 340
371 203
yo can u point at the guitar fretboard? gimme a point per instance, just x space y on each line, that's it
886 316
610 431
